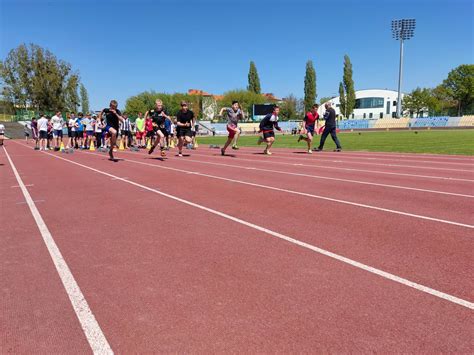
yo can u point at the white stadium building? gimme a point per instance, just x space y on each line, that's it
370 104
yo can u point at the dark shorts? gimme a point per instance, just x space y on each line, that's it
268 134
69 133
79 134
107 129
27 134
89 133
58 133
184 132
150 134
164 131
125 133
43 135
310 129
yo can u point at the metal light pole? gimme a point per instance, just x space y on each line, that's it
402 30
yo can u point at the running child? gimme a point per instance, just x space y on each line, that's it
184 122
159 117
2 133
112 116
234 114
310 123
267 126
34 132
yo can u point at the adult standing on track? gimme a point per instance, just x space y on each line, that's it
34 131
234 114
159 117
267 126
43 132
310 123
112 117
184 122
329 128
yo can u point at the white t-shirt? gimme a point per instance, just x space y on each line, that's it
57 122
71 124
43 124
2 129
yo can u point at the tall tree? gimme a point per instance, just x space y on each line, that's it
71 97
84 99
460 86
348 86
342 99
33 78
309 86
254 80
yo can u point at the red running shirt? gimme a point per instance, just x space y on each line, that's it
310 119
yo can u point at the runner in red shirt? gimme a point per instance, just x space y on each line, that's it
310 123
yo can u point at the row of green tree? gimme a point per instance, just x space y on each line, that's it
33 78
453 97
291 107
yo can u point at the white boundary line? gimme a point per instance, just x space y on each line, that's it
347 157
301 194
329 178
91 328
348 161
332 255
340 168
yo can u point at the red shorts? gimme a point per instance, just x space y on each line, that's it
140 135
231 131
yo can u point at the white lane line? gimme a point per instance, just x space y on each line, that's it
305 194
91 328
331 178
27 185
327 253
313 157
349 157
344 169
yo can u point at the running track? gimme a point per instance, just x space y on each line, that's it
339 252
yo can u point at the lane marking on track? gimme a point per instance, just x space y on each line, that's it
433 219
27 185
331 178
373 270
345 169
313 157
25 202
329 156
91 328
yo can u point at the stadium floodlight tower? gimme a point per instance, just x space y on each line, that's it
402 30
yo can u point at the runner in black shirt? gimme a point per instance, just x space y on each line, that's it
329 128
112 116
158 116
185 120
267 126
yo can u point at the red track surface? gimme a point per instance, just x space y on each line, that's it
163 276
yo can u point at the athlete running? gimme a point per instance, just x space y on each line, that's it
112 117
234 114
267 127
310 126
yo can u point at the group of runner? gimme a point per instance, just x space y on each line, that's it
158 129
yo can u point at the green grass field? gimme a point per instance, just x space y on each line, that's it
424 141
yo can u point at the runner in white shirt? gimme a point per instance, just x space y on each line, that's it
58 123
2 133
43 132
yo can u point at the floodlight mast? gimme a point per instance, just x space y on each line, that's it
402 30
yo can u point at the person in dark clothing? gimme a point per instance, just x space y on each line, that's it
184 122
112 116
329 128
267 126
159 117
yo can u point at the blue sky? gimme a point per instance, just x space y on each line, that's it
122 47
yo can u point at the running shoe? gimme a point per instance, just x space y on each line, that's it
180 154
337 150
235 147
222 151
151 149
163 153
310 151
267 152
